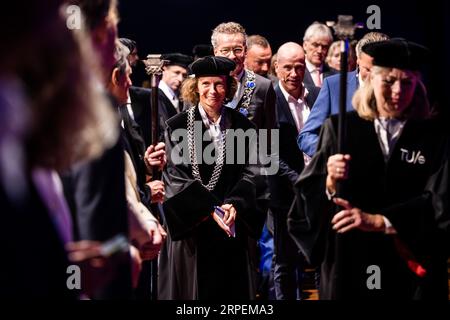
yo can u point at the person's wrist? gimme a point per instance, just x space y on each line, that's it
331 185
378 223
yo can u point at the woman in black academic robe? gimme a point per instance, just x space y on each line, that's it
202 257
385 242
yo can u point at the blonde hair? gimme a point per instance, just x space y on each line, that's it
70 118
365 104
189 91
369 38
334 45
227 28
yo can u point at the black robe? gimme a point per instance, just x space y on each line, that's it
198 260
395 189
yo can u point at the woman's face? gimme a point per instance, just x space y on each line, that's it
394 90
212 91
335 59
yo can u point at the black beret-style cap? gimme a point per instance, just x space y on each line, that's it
397 53
212 66
202 50
177 59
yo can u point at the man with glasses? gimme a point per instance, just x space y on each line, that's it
316 42
255 97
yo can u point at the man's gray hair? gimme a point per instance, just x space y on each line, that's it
318 30
121 55
227 28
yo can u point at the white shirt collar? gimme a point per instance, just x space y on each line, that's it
388 132
208 122
311 67
214 128
167 91
129 108
287 96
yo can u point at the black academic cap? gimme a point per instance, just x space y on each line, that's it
202 50
177 59
212 66
397 53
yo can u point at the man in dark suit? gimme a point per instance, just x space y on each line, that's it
316 42
328 100
293 106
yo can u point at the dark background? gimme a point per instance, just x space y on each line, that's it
176 26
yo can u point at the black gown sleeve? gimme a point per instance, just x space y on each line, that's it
427 214
308 219
243 195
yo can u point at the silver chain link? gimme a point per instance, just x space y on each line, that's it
192 154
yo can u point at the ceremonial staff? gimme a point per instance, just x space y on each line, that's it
344 29
153 67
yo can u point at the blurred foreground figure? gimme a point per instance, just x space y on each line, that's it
49 99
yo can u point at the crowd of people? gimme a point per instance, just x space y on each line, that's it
191 211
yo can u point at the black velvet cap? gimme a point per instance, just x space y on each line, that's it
397 53
212 66
202 50
177 59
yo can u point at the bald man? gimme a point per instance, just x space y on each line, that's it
293 104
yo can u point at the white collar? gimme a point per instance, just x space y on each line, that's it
287 95
206 120
311 67
167 91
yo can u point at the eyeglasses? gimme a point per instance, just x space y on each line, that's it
236 51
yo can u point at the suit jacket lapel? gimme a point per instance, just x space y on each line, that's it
352 81
284 106
307 79
136 106
166 105
309 100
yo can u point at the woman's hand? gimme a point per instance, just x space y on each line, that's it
230 214
227 221
353 218
337 169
